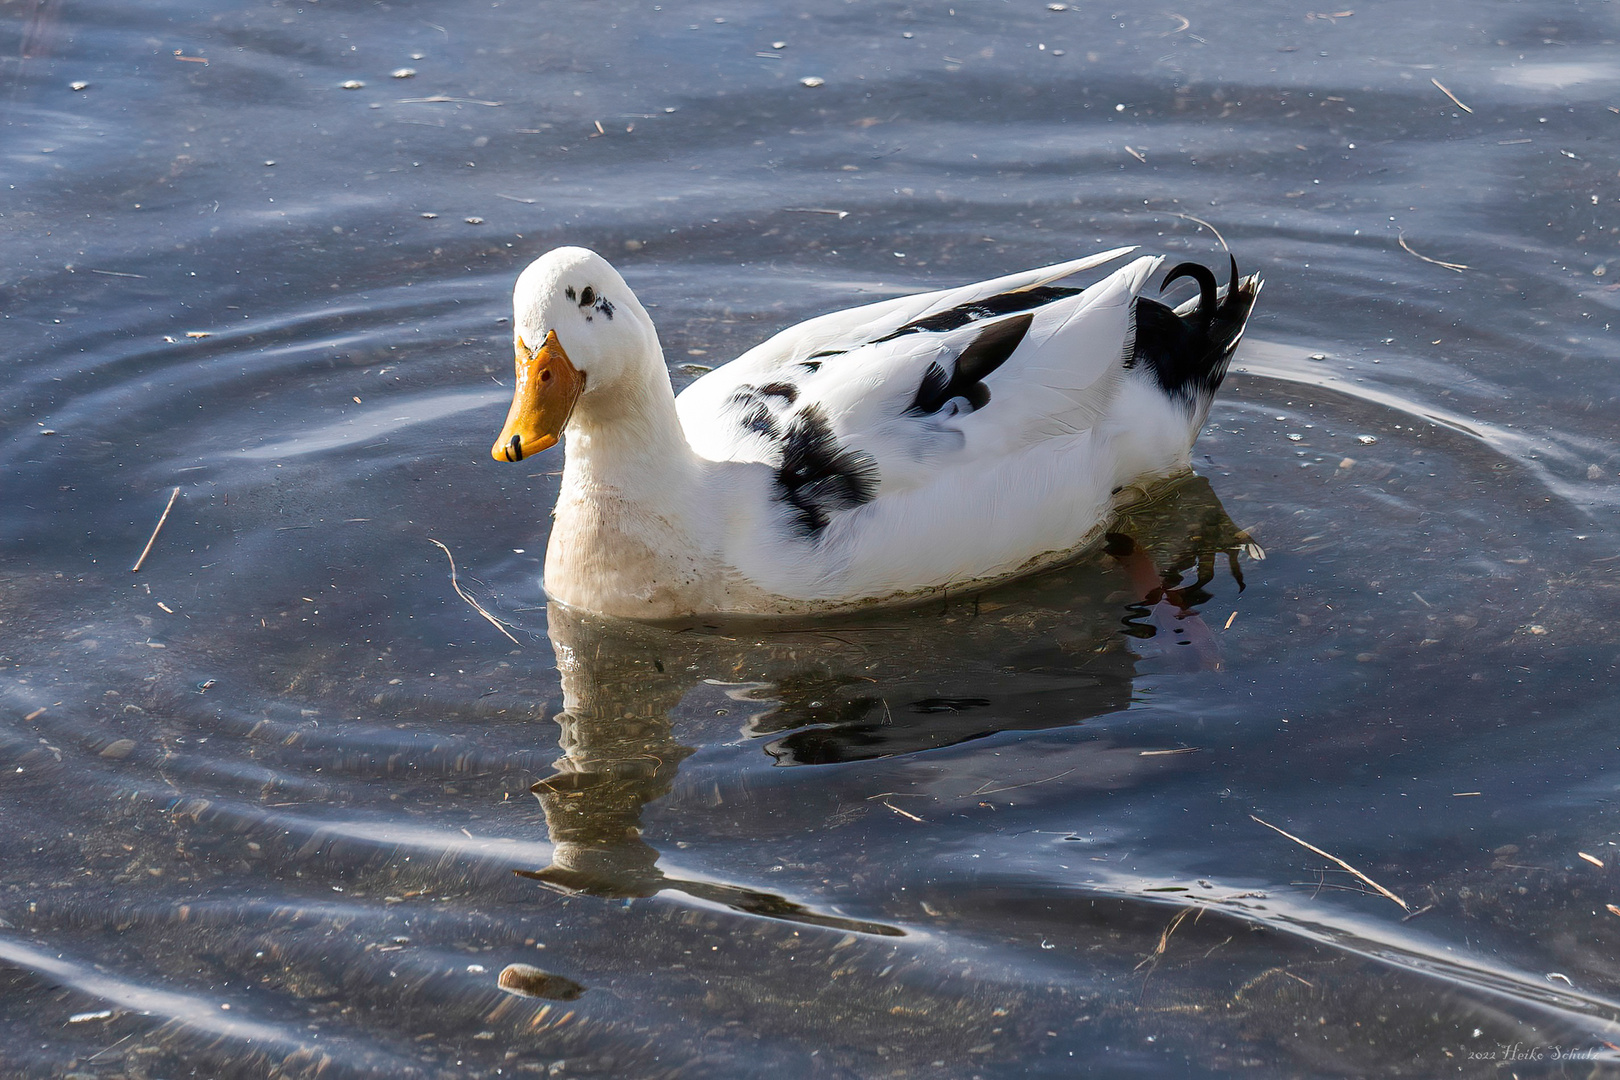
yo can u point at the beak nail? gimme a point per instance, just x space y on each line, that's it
514 451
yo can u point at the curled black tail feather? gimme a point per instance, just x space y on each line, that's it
1188 351
1206 287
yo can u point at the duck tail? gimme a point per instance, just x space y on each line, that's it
1187 348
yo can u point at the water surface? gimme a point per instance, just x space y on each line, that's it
268 802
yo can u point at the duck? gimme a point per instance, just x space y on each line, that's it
882 454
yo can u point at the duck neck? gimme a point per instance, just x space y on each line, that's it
623 538
627 440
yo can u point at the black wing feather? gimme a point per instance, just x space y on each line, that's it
818 475
983 355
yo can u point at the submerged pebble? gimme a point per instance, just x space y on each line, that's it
527 980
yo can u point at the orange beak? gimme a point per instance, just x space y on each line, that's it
548 385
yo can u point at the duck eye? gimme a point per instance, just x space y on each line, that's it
588 297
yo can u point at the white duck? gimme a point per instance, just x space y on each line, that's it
936 441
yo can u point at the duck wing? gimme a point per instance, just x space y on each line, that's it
941 391
722 430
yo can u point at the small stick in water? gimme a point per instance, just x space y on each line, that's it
1312 847
456 585
1459 267
147 550
1452 96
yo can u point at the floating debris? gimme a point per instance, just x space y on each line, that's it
354 84
1366 440
476 606
526 980
86 1017
1593 859
439 99
1438 86
78 86
1459 267
474 220
901 812
1317 356
778 44
1341 863
147 550
403 73
812 81
429 215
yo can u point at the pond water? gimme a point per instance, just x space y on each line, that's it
267 803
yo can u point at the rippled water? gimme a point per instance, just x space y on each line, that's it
267 803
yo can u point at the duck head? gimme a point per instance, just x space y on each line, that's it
579 332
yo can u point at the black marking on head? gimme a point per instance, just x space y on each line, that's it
1188 354
818 476
983 355
991 306
781 390
591 299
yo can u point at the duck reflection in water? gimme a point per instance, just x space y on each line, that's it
1045 652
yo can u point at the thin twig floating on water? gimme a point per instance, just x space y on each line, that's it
456 585
899 811
1459 267
1164 938
147 550
984 790
440 99
1312 847
1208 226
1452 96
839 214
